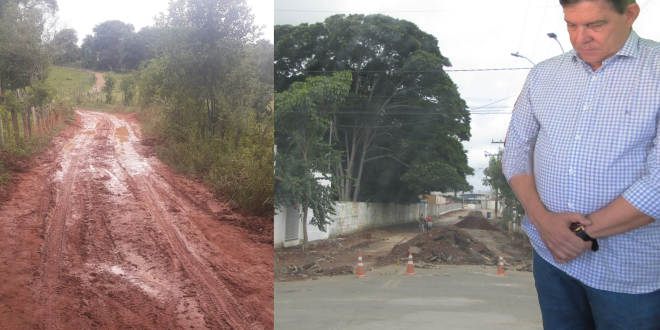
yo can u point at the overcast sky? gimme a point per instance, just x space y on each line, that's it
475 34
82 16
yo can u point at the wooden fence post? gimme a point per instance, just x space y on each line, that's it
42 121
33 123
49 121
2 136
8 128
25 128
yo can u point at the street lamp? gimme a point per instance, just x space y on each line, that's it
518 55
554 36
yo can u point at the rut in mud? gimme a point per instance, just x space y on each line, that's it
100 235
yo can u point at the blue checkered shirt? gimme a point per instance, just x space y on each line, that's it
589 137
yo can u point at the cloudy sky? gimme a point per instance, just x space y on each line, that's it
475 34
84 15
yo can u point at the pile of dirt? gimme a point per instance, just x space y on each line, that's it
476 222
333 256
447 245
477 214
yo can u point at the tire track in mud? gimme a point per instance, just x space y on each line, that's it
53 248
221 310
214 295
123 242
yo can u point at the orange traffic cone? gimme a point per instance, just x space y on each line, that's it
360 269
411 267
500 265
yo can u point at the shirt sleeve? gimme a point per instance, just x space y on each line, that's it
520 140
645 192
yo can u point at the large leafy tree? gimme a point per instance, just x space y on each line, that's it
301 118
65 46
403 109
205 45
108 37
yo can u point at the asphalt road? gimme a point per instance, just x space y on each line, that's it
456 297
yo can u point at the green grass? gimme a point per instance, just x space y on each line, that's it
96 101
241 170
65 81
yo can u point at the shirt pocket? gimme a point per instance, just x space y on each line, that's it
633 127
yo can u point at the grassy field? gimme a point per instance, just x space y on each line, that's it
65 81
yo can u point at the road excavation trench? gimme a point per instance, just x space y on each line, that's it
101 235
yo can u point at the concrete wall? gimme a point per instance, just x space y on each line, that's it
280 225
355 217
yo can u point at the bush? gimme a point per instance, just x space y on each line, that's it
239 166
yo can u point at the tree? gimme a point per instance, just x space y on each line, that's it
206 86
493 177
65 47
431 176
108 37
402 109
301 118
127 86
133 51
109 85
24 58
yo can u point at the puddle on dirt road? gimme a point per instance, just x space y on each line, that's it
122 134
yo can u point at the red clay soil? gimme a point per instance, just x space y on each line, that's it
446 245
476 223
97 234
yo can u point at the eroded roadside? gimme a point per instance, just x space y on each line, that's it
101 235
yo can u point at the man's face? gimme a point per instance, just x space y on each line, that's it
597 31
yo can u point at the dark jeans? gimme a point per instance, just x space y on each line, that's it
567 304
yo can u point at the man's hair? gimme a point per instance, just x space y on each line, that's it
618 5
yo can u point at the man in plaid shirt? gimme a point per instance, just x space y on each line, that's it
582 156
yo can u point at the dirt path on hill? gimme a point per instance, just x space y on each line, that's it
100 82
99 234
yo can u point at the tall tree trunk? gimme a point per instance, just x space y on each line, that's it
305 240
359 176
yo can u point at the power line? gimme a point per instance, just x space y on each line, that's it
405 11
450 70
502 111
647 2
426 121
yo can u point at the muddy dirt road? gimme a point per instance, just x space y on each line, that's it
101 235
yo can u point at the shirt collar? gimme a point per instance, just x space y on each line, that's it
630 49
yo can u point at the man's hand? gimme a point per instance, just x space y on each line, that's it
560 240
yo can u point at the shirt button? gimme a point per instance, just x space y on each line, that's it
570 171
570 206
577 137
586 107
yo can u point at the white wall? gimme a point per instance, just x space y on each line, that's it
356 217
280 225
